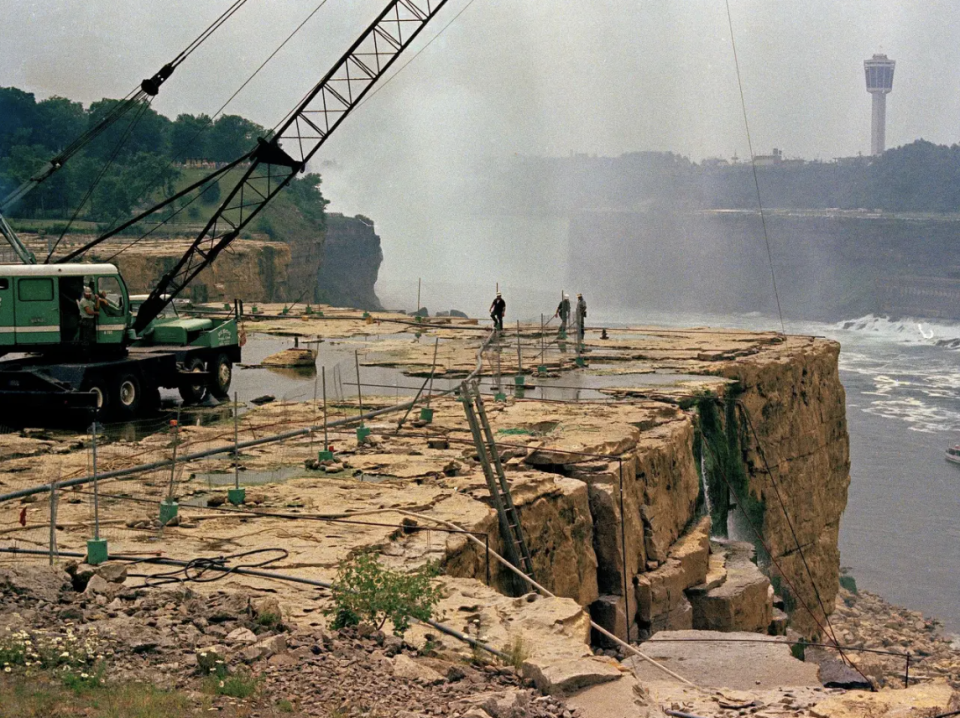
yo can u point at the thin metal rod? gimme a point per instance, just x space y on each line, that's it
418 295
412 404
96 484
323 379
543 349
236 440
623 549
519 355
433 369
356 359
53 517
173 461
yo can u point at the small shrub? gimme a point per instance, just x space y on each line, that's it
366 591
236 686
517 651
285 706
269 620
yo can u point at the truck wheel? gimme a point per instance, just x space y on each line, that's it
99 388
221 374
127 396
193 393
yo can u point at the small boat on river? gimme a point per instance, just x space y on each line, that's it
953 454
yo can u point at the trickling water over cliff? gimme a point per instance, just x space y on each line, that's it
628 536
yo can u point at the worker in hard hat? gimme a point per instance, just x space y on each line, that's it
89 310
581 317
563 311
496 312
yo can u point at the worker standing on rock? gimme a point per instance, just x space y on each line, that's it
581 317
563 311
496 312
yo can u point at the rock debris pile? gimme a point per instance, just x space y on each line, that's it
175 638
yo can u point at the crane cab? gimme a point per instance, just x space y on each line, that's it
40 306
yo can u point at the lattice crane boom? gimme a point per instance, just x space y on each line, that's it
277 160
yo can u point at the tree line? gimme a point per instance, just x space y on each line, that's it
917 177
129 165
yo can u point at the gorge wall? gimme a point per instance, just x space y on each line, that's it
830 264
612 498
337 266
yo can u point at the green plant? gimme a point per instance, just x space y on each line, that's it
269 620
517 651
77 660
284 706
239 685
366 591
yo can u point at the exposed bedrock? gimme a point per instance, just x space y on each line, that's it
796 405
609 500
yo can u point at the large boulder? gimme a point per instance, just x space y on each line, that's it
742 602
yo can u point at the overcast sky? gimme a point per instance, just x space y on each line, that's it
520 76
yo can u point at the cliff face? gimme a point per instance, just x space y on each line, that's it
830 264
254 271
794 424
351 262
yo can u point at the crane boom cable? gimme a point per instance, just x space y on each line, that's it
203 36
304 131
180 151
133 99
753 165
96 181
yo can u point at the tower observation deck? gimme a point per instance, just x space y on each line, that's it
879 72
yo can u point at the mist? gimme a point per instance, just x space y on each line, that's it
511 79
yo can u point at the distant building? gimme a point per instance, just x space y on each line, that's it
879 73
766 160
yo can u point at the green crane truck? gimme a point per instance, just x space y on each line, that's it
121 365
118 371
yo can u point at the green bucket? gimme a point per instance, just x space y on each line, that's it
325 455
168 511
236 496
362 433
96 551
426 414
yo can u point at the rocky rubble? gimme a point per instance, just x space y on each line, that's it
866 620
176 639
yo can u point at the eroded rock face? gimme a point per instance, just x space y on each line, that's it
661 597
796 405
742 601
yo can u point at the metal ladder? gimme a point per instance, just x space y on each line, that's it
509 518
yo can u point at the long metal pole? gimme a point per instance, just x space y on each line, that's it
433 369
418 295
236 440
519 355
323 375
96 485
623 549
53 516
356 359
173 462
543 348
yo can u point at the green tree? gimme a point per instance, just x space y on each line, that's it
232 136
189 136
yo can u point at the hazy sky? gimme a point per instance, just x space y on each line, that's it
512 76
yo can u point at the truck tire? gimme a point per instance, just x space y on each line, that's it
98 386
193 393
221 374
127 396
